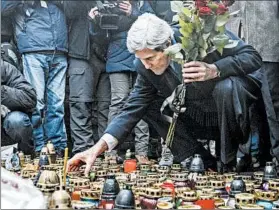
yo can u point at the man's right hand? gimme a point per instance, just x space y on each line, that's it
87 157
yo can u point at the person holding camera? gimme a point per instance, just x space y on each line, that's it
119 16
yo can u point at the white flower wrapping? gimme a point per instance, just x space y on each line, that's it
17 193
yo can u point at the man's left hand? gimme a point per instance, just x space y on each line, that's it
196 71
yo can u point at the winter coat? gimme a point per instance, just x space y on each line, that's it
16 93
6 28
39 25
257 23
239 61
78 28
119 59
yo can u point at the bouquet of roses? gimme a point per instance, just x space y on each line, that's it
202 28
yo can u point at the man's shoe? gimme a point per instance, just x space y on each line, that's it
167 157
243 164
255 162
225 168
143 159
228 168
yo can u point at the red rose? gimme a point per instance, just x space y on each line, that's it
222 9
205 11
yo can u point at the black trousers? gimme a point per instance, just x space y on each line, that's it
270 91
89 86
227 100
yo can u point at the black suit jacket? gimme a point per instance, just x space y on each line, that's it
243 61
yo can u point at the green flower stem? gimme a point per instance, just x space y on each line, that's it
181 97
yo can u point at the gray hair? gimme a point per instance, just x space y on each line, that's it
148 31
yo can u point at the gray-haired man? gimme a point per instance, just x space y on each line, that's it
222 90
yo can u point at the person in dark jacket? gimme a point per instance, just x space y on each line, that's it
6 29
41 37
88 80
18 99
219 91
257 24
121 70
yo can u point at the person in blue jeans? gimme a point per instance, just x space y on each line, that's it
41 36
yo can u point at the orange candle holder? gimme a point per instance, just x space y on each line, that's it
76 195
130 165
206 204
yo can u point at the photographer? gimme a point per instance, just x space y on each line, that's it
120 64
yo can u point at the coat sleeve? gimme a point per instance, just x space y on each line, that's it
16 93
138 8
134 109
238 61
8 7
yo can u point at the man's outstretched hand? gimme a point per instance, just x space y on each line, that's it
87 157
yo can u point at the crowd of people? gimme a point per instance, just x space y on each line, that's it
112 54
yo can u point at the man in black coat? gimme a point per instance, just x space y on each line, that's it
18 99
219 92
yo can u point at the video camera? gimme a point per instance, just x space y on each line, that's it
109 13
